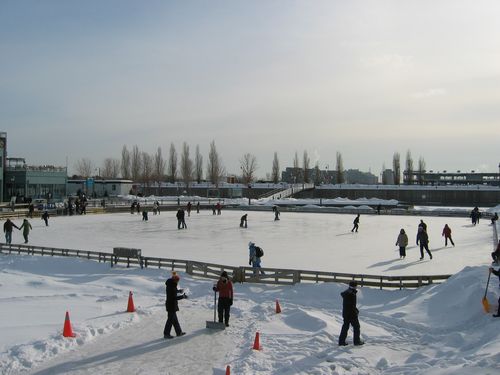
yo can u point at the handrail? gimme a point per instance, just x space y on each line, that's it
240 273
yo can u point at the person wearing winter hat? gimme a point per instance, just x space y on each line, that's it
225 288
350 315
171 305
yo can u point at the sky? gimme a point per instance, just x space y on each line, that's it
363 78
438 329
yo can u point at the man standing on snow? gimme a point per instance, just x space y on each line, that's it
171 305
350 314
225 288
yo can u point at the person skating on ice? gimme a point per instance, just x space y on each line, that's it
356 224
447 235
423 242
402 242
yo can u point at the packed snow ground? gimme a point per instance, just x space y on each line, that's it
439 329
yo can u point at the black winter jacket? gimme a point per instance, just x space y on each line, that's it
422 237
349 309
172 295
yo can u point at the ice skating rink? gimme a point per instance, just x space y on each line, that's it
309 241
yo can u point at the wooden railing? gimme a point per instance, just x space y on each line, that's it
240 273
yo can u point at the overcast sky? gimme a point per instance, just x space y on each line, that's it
364 78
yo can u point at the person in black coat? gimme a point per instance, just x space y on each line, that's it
494 219
356 224
8 226
243 221
492 270
496 254
350 314
171 305
45 218
181 221
423 241
422 225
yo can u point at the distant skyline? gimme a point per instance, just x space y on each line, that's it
363 78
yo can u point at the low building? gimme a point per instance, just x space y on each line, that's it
99 188
25 182
450 178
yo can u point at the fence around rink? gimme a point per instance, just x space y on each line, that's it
240 274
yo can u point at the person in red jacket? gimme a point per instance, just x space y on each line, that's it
447 235
225 288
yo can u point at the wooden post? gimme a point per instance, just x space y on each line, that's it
189 268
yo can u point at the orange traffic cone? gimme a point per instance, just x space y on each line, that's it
130 306
228 370
68 331
256 343
278 307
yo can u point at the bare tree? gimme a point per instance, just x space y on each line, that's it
147 169
110 168
198 165
317 175
275 174
409 168
158 168
421 170
84 167
172 164
248 165
186 165
340 169
396 167
125 167
296 168
215 170
135 163
305 166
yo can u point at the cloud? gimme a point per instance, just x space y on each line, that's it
429 93
393 61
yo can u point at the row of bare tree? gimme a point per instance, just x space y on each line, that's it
140 166
410 170
143 167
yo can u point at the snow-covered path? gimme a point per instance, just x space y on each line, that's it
403 334
141 349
